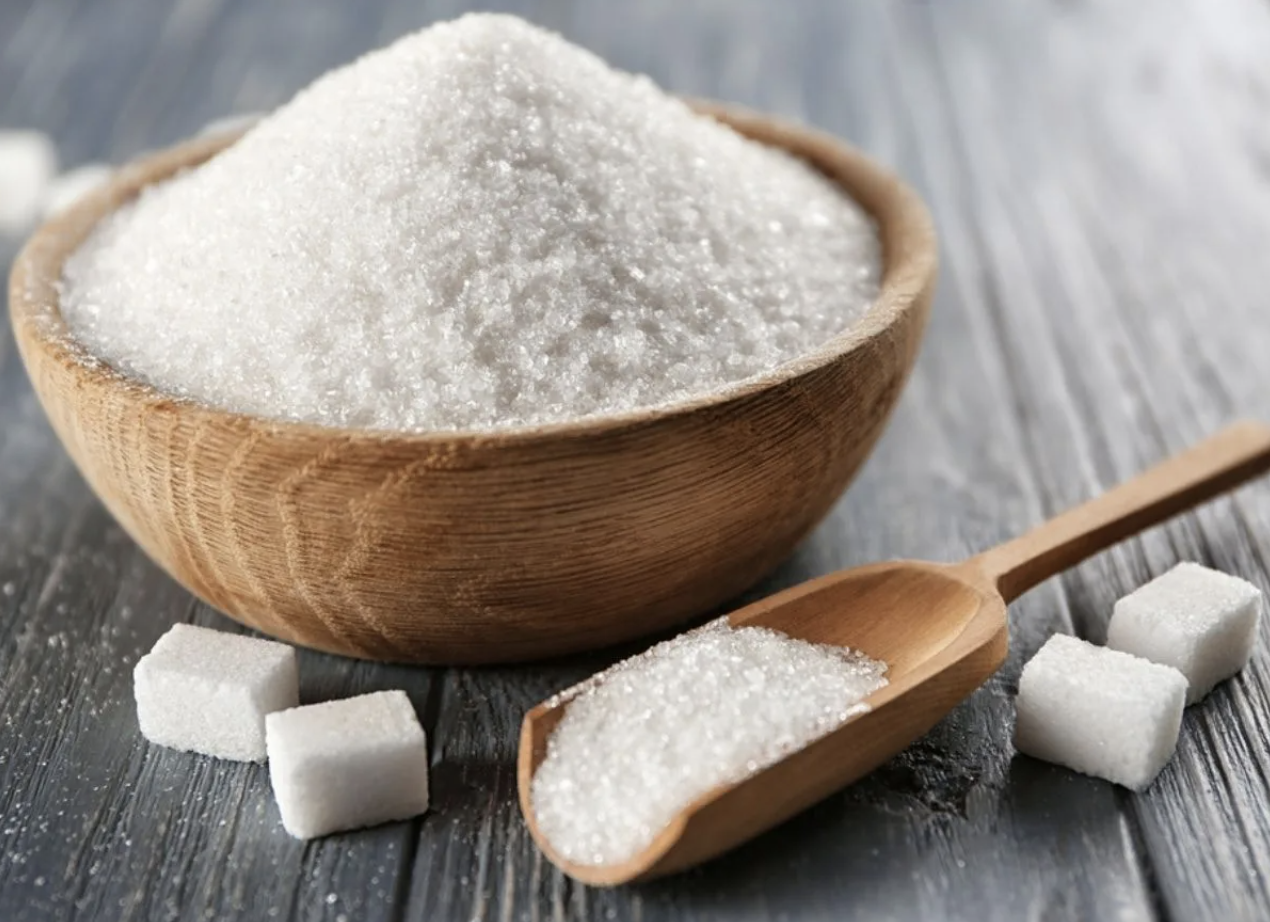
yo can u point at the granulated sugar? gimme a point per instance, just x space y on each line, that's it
478 226
646 738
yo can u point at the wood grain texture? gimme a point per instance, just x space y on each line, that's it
483 547
1098 173
941 630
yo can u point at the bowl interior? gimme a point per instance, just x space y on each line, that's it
462 547
904 228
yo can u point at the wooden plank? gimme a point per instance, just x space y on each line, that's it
96 823
952 828
1127 287
1069 346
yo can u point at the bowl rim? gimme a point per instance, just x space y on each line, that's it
900 214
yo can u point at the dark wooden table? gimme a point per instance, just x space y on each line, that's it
1100 172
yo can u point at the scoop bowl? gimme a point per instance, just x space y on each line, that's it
479 547
941 629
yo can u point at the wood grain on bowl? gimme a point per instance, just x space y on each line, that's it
483 547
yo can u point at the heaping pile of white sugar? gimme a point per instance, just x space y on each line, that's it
646 738
478 226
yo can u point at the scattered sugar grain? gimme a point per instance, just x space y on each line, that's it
479 226
73 185
28 163
646 738
347 764
1197 620
1098 711
206 691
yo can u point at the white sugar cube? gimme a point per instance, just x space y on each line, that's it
1197 620
71 186
206 691
1099 711
347 764
28 163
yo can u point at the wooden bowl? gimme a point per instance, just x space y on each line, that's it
482 547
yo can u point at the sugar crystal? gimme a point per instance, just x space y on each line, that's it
347 764
478 226
1199 621
206 691
1099 711
644 739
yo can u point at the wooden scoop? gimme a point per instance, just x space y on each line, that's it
940 628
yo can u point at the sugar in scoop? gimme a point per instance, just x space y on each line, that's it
478 226
644 739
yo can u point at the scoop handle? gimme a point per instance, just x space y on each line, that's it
1234 455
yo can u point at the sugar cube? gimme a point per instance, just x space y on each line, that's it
28 162
1199 621
71 186
1099 711
347 764
206 691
